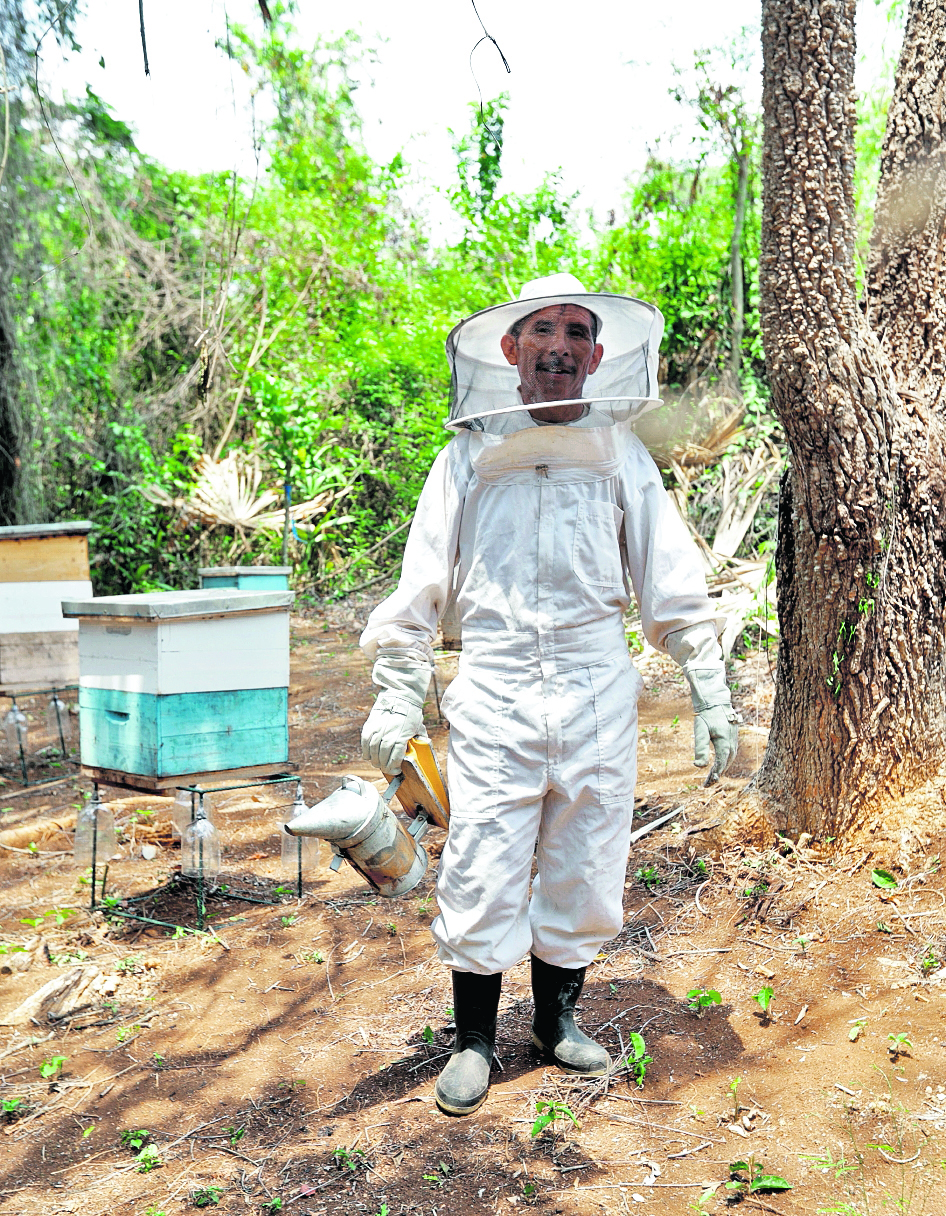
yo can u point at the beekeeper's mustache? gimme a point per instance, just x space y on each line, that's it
555 363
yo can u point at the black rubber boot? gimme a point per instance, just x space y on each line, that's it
556 991
463 1085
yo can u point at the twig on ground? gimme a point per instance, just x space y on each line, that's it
699 891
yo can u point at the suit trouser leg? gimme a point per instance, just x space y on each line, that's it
544 768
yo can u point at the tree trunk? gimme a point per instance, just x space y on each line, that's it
907 273
859 713
736 270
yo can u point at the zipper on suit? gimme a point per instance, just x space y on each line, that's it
545 568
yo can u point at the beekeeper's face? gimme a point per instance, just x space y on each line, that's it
554 350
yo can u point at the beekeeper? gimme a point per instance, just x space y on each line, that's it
539 515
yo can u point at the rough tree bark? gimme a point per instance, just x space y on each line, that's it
907 277
860 706
736 268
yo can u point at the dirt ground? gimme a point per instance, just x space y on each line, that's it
286 1061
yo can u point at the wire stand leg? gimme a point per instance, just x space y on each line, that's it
62 737
95 838
19 739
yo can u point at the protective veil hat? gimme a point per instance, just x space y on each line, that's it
484 386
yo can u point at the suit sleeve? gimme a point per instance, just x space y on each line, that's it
407 619
664 564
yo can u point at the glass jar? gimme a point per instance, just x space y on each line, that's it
95 823
58 722
200 848
15 730
296 848
181 811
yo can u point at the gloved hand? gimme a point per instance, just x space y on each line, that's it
717 724
698 653
398 713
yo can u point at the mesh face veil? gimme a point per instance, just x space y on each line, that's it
490 393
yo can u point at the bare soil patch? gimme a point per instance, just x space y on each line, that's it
286 1062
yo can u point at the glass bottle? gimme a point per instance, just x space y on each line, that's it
95 822
292 847
181 811
58 722
15 729
200 848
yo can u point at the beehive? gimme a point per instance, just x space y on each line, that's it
182 684
40 566
246 578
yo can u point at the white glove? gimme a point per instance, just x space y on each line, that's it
398 713
697 651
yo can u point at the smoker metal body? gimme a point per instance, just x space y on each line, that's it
364 831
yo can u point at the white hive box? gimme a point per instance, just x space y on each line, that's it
40 566
181 684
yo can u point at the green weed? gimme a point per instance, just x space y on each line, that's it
351 1160
207 1196
755 1178
439 1178
148 1159
637 1059
826 1164
51 1069
702 998
13 1108
67 959
134 1138
649 876
548 1112
734 1090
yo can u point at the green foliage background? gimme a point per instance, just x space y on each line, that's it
300 318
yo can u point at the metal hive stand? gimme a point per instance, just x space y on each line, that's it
12 694
197 796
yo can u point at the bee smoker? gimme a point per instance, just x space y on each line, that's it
364 831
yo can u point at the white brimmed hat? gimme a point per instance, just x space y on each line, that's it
484 386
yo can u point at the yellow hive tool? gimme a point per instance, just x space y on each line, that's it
421 788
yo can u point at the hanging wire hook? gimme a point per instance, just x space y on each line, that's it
487 37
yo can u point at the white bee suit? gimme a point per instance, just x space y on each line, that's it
542 532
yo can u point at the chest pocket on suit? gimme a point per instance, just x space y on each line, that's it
596 555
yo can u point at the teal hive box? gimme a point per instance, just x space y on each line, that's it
246 578
183 683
